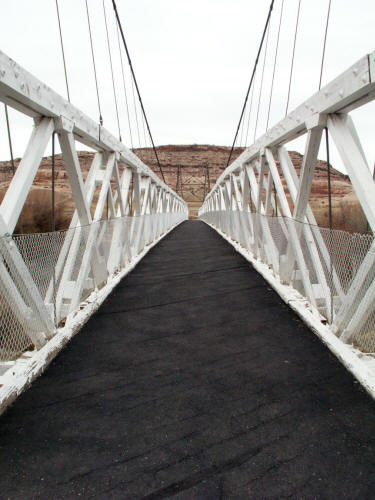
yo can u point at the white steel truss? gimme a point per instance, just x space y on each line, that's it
340 289
40 294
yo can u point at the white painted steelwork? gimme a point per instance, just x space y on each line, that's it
332 271
46 279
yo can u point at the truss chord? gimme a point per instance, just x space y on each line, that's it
113 77
324 44
251 79
94 65
136 86
124 85
292 63
62 50
274 63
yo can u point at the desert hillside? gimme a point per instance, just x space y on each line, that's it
189 169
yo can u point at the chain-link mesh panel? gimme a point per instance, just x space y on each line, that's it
13 337
20 321
45 269
339 266
40 253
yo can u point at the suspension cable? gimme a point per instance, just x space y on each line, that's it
94 65
144 132
330 216
252 78
242 129
136 85
261 84
292 64
12 156
329 180
62 49
124 85
373 178
135 113
331 263
324 44
10 140
275 198
113 77
326 129
53 222
274 63
249 115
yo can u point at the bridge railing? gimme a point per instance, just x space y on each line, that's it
121 210
333 271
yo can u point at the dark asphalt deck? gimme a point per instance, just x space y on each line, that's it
193 381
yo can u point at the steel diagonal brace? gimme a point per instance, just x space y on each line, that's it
92 240
116 256
25 282
135 222
348 319
239 230
312 234
19 188
259 223
73 168
70 250
362 313
293 235
144 226
349 147
292 180
248 221
301 201
259 206
245 219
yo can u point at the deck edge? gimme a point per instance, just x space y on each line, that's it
359 364
32 364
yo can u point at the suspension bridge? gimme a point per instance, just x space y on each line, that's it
226 357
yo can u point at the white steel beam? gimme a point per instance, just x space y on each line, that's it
348 91
301 201
19 188
348 145
293 235
22 91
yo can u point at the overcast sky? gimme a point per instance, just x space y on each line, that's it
193 60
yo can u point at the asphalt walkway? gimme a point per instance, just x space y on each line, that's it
193 381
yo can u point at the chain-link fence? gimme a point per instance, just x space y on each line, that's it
45 277
333 269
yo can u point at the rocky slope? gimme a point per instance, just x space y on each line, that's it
190 169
